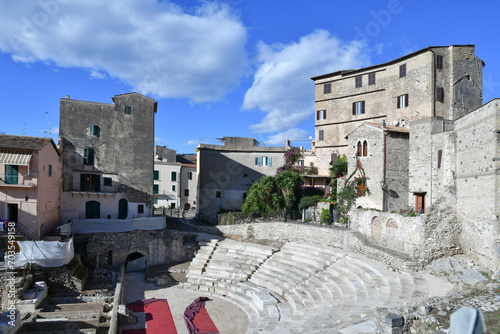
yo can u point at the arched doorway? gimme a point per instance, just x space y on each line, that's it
122 208
187 206
135 262
92 210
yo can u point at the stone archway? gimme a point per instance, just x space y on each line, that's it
135 262
187 206
376 227
391 229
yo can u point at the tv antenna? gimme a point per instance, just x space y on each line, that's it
24 127
49 131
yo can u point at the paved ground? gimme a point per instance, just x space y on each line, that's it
226 316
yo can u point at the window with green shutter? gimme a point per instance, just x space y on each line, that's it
173 176
88 156
156 174
50 170
11 174
155 188
127 110
95 130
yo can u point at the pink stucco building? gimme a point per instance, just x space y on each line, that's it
30 184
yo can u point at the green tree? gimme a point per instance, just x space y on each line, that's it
262 196
288 184
337 169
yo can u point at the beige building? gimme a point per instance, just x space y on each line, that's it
226 172
30 184
174 180
444 81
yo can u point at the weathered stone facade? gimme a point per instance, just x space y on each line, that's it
384 158
110 250
453 71
107 156
226 172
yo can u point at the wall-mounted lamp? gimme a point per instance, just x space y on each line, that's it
26 198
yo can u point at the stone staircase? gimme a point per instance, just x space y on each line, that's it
301 287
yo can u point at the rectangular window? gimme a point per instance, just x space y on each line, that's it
107 181
402 71
156 201
140 208
88 156
321 135
50 170
172 205
156 175
359 81
440 94
186 192
358 108
11 174
440 155
300 163
173 176
190 175
371 79
321 114
439 62
327 88
90 182
268 161
95 130
173 187
217 193
127 110
403 101
156 188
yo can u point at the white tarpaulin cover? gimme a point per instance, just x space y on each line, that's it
44 253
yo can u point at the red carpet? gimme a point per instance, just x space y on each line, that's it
159 319
203 322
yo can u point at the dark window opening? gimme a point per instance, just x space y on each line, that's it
140 208
95 130
88 156
107 181
440 155
365 148
186 192
439 62
156 175
359 150
371 79
110 258
440 94
327 88
359 81
217 193
90 182
402 70
156 188
321 135
127 110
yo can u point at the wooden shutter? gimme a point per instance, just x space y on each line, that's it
354 108
440 154
399 101
407 100
362 107
269 161
317 115
333 157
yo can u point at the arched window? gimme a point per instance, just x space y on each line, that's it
365 148
359 149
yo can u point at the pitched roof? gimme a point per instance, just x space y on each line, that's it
25 142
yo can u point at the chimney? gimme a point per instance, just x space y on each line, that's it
383 123
67 97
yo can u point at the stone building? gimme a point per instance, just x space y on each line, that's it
30 184
174 180
383 152
443 81
107 151
226 172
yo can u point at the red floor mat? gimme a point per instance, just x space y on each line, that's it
203 322
159 318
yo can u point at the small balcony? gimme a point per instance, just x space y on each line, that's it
17 181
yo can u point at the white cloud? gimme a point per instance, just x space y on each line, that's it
155 46
193 142
282 87
292 134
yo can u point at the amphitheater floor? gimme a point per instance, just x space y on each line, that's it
226 316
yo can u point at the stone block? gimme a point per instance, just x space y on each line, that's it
394 320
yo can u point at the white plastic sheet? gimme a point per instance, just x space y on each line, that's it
44 253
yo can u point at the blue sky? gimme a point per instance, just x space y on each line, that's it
226 68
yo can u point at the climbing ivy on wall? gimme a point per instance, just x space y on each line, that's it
354 187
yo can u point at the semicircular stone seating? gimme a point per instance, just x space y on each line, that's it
301 287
